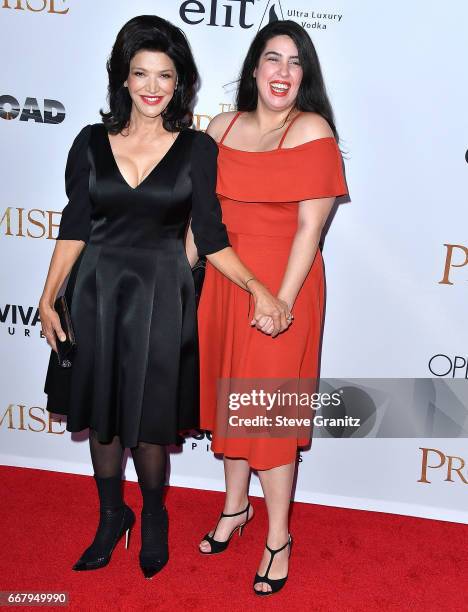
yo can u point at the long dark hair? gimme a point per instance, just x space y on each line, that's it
152 33
312 95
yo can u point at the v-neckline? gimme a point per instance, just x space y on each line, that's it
106 136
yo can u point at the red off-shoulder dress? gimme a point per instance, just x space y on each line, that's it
259 194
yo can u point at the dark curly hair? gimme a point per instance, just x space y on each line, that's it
312 95
152 33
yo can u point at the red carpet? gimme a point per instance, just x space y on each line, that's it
342 559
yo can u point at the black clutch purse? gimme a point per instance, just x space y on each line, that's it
66 348
198 273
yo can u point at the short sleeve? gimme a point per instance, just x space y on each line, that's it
209 231
76 216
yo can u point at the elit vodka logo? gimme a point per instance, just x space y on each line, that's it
273 12
215 13
309 19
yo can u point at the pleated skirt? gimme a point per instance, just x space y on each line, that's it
135 372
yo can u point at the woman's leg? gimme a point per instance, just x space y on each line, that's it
150 464
113 515
277 486
107 464
106 457
237 473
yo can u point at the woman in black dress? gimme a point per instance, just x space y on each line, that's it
133 184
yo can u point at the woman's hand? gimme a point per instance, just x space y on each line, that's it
272 315
50 322
65 254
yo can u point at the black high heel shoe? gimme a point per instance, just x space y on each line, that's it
113 523
275 584
218 546
154 553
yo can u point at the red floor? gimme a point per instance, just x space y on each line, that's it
342 559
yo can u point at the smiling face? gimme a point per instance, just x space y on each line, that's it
151 82
279 73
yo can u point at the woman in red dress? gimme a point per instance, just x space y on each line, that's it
279 171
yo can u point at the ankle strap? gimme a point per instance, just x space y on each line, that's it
273 552
236 513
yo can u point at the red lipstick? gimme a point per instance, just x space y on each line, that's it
151 100
280 88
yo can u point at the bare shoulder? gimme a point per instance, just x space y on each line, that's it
307 127
218 125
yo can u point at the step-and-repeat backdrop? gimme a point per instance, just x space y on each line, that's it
396 256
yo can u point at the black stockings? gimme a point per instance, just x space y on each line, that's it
106 458
150 465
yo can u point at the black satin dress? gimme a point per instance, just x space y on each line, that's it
135 372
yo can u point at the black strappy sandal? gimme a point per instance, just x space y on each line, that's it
216 545
275 584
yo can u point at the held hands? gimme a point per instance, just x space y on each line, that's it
50 324
272 315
